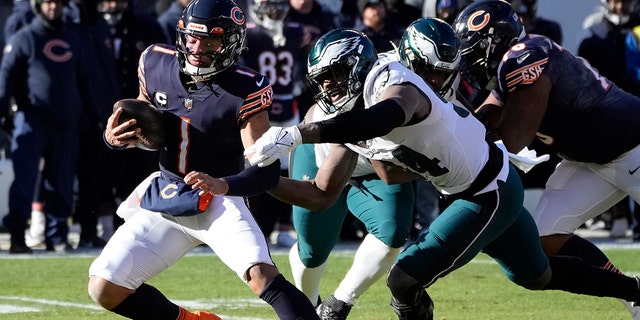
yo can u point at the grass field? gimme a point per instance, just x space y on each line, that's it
54 288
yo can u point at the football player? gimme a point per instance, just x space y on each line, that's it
211 108
405 124
385 210
319 211
542 91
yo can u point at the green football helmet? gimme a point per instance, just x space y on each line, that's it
337 65
430 45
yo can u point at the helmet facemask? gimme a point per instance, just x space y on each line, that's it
336 87
219 56
476 69
270 14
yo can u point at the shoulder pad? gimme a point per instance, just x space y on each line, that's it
523 63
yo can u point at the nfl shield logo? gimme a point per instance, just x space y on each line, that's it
188 103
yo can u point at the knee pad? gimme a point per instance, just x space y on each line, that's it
404 288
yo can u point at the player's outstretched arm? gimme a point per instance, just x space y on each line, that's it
319 194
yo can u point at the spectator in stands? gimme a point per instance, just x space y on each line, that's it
527 12
51 111
95 194
375 23
168 19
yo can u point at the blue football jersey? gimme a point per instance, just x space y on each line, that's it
283 65
588 118
202 126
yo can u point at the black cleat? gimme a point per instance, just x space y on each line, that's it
421 309
333 309
95 243
59 247
19 248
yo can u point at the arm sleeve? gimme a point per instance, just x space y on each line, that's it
358 125
254 180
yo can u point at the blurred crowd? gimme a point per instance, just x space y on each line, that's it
47 196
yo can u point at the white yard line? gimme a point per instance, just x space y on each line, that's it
190 304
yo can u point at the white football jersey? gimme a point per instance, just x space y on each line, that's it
448 147
363 167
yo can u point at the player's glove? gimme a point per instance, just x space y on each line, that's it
274 144
526 159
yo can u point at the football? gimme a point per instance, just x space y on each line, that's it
148 119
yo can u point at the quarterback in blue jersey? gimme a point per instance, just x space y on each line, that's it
540 90
211 109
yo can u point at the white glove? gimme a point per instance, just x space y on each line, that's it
273 145
526 159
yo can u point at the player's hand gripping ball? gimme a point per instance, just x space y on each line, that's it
148 119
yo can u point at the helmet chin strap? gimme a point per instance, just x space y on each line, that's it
349 104
197 73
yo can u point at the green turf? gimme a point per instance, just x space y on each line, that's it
56 287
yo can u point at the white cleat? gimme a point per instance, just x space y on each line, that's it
285 239
633 307
634 311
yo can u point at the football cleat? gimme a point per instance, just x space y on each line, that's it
421 309
285 239
633 307
202 315
197 315
333 309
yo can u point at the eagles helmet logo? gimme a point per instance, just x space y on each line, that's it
336 50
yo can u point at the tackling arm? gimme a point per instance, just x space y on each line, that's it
321 193
397 105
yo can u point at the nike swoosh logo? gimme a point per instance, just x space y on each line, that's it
259 83
631 172
281 138
522 57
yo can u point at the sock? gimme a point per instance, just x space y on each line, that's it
572 274
306 279
587 251
287 301
147 303
372 260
